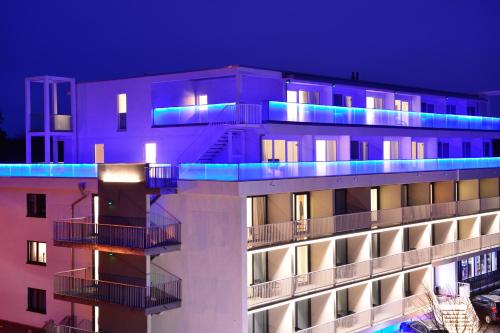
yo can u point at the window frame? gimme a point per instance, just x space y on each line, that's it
35 213
121 112
34 296
29 260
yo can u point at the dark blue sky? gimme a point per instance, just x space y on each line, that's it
445 44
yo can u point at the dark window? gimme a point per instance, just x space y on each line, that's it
466 149
36 300
471 110
486 149
60 151
443 150
35 205
451 109
338 100
258 322
122 121
302 314
37 253
427 107
354 150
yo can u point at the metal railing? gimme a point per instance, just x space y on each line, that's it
161 176
284 232
387 263
417 257
85 231
69 329
415 304
80 285
286 288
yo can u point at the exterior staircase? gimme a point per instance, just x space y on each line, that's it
456 312
226 139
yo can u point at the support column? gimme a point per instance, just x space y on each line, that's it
46 119
27 120
74 147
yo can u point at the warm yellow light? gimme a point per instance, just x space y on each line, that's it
122 103
120 177
150 152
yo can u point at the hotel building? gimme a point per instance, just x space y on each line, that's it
245 200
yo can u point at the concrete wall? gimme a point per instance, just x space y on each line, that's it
389 196
419 237
391 289
322 309
444 232
279 207
418 194
490 224
390 243
444 191
322 203
322 255
211 262
281 319
488 187
359 297
419 281
358 199
18 229
468 228
279 263
468 189
358 249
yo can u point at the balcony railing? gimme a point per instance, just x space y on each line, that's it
277 290
61 123
79 286
160 176
385 264
415 304
213 114
325 114
69 329
279 170
285 232
82 231
49 170
417 257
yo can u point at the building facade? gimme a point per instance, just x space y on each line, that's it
247 200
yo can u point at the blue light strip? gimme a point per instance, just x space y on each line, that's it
263 171
312 113
193 114
49 170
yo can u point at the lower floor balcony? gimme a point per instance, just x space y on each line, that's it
286 288
140 237
361 320
79 286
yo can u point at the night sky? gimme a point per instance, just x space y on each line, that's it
442 44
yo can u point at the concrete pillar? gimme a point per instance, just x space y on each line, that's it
46 119
27 120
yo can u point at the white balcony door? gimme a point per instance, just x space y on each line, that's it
280 151
326 150
391 150
417 150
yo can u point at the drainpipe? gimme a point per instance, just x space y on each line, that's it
84 194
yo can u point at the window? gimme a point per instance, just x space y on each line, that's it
291 96
326 150
374 103
451 109
391 150
466 150
258 322
427 107
99 153
443 150
417 150
203 102
122 111
36 205
150 152
348 101
359 150
37 253
338 100
36 300
280 151
471 110
400 105
486 149
308 97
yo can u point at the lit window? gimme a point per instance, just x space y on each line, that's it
280 151
397 105
37 253
150 152
36 206
291 96
202 99
122 111
99 153
370 103
303 97
348 101
326 150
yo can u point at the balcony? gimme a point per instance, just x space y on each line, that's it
326 114
161 176
286 232
278 170
213 114
79 286
61 123
49 170
158 237
412 305
294 286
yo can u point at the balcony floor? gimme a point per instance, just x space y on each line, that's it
120 249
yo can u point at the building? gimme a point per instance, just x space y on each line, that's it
246 200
